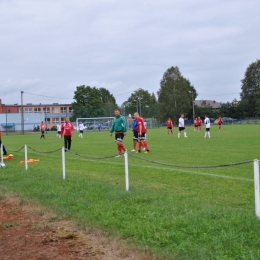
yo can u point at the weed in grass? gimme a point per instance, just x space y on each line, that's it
11 224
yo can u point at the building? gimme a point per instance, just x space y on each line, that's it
53 113
212 103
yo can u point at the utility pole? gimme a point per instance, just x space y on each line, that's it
22 115
193 111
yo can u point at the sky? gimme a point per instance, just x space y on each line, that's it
48 48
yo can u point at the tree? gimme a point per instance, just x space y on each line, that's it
175 95
109 102
251 88
139 101
88 102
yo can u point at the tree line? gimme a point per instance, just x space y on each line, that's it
176 95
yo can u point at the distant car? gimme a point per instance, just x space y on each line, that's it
54 128
227 120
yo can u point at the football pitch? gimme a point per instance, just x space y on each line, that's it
174 212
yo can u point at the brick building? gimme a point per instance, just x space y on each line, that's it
53 113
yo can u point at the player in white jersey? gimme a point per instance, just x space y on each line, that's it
181 126
58 130
207 126
81 128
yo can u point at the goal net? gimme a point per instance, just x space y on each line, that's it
96 123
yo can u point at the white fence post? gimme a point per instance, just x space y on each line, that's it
257 191
25 157
63 163
126 172
2 157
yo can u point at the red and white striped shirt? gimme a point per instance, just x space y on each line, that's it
67 129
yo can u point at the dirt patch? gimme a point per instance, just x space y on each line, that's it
27 232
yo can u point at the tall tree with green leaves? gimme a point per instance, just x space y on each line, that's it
109 102
176 95
251 88
88 102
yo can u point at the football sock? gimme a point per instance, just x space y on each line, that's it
178 134
145 145
119 149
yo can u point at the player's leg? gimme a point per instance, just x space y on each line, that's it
69 142
209 132
65 142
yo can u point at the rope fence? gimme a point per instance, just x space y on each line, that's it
63 150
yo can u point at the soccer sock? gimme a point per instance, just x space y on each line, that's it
209 134
178 134
122 146
140 144
119 149
145 145
134 144
185 134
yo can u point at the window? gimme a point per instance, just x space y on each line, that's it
70 109
62 119
47 120
55 110
28 110
46 110
55 120
63 110
37 110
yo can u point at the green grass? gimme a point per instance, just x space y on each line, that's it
175 213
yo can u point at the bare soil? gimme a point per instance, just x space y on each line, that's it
28 232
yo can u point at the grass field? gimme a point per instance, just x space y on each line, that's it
175 213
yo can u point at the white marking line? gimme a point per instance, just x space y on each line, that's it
169 168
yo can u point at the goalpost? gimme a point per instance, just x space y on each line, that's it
95 123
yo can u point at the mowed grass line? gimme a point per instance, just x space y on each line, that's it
176 213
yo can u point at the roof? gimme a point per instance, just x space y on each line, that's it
212 103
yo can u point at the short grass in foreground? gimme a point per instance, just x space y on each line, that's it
177 213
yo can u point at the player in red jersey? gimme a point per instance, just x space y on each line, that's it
199 123
67 129
220 122
140 129
195 124
169 126
42 127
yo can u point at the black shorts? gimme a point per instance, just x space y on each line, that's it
219 124
59 132
119 137
207 129
181 128
81 131
198 125
142 137
135 137
170 128
43 132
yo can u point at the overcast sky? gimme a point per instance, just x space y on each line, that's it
49 47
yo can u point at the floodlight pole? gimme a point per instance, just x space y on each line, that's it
22 115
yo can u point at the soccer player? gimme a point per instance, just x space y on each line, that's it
58 130
207 126
195 124
119 127
220 122
169 126
67 129
181 126
141 133
4 150
42 127
135 135
199 123
99 127
81 128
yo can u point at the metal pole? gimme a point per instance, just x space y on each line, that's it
22 116
6 122
193 111
257 192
